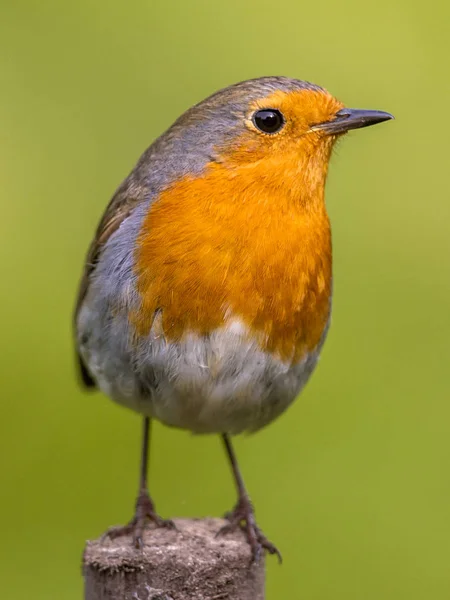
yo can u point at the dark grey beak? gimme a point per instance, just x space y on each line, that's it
352 118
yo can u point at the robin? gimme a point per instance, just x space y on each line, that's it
206 294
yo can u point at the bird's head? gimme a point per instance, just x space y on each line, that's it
268 129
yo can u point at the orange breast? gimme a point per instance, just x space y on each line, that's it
241 245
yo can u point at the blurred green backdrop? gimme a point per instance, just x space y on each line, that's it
353 483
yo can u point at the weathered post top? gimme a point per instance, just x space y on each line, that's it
186 564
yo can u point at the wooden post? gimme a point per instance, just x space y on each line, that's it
186 564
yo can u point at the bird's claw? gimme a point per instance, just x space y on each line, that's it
145 513
243 517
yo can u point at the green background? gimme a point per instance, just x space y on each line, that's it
353 482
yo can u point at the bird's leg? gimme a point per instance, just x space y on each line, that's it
145 509
243 514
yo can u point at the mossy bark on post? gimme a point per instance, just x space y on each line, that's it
186 564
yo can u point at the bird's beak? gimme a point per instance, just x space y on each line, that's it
352 118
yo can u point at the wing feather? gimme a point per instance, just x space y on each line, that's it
120 207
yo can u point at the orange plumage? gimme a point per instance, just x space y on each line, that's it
257 226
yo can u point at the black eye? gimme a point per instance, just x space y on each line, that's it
268 120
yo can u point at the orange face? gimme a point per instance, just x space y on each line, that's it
297 154
301 111
249 238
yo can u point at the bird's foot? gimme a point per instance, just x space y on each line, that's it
144 513
243 517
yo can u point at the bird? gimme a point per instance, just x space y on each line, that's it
206 293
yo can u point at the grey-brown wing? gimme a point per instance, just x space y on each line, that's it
123 202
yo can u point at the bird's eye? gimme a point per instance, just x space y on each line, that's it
268 120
